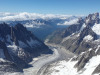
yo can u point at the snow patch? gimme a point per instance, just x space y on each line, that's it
87 20
90 49
13 48
64 68
35 59
88 38
2 60
82 53
96 29
83 26
33 42
16 49
97 48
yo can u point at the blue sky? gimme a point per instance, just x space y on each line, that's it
70 7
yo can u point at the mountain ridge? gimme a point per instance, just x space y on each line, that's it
18 46
84 42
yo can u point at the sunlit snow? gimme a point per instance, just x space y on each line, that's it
96 29
88 38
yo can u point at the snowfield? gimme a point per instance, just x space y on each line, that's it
67 67
63 68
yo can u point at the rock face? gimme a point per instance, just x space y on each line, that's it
18 46
83 59
81 39
92 19
58 35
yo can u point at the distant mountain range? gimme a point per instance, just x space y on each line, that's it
39 24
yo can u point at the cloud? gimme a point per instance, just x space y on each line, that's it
71 22
30 16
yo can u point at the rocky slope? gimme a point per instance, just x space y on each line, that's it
82 39
17 47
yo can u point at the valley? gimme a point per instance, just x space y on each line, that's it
39 64
49 37
71 48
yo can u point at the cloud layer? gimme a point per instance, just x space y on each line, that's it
73 21
27 16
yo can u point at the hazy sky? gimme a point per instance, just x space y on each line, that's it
70 7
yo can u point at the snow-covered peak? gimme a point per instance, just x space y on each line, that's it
92 17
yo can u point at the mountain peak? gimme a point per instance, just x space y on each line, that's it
91 19
85 32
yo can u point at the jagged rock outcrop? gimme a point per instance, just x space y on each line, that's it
86 31
97 70
92 19
6 61
58 35
83 59
18 46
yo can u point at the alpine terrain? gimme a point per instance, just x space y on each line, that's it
37 44
18 47
82 39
